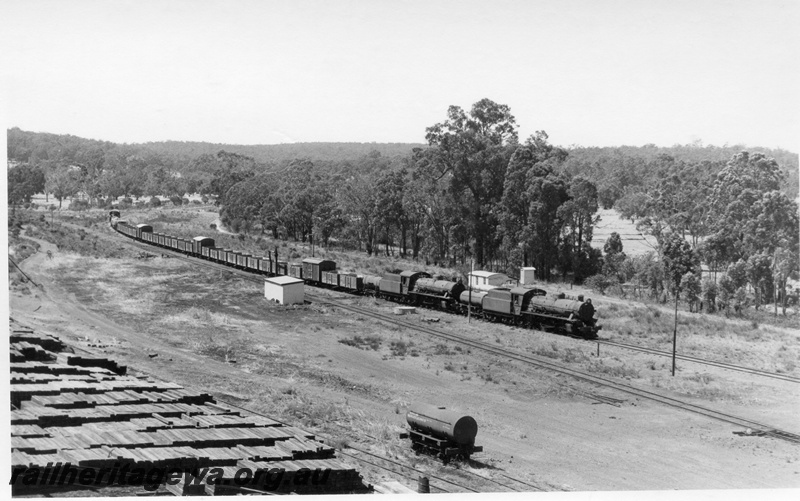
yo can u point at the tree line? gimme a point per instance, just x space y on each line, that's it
98 170
734 217
474 193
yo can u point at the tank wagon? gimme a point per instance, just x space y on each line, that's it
471 301
524 306
446 434
371 284
438 293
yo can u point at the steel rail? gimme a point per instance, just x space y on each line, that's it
231 404
698 360
765 429
583 376
643 349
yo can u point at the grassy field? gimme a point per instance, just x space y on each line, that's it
184 308
634 242
758 340
349 376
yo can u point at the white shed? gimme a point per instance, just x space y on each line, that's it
527 275
284 290
486 280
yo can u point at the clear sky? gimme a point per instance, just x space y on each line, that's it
592 73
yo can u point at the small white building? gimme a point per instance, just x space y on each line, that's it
486 280
527 275
284 290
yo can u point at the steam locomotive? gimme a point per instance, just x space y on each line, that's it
523 306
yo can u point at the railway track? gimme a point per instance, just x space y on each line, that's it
642 349
523 486
437 483
760 428
380 462
580 375
703 361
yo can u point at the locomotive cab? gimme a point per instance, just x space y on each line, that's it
586 311
393 284
521 298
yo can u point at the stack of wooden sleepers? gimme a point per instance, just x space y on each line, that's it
87 413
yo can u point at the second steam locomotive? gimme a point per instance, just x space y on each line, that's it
523 306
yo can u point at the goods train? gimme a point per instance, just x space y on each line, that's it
524 306
443 433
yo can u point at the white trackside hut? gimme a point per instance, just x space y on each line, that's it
284 290
486 280
527 275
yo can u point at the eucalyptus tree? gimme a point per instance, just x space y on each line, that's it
471 152
24 181
62 182
756 223
679 260
529 219
579 216
228 169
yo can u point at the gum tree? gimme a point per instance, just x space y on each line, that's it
471 151
678 260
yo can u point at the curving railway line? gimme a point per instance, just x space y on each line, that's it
580 375
703 361
760 428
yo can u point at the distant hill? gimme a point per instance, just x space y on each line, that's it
689 153
26 146
276 153
582 159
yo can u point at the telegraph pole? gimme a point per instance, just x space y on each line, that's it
675 332
469 284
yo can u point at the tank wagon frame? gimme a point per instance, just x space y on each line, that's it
441 448
523 306
443 433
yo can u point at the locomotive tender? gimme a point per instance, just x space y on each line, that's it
523 306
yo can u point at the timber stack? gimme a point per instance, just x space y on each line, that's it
78 419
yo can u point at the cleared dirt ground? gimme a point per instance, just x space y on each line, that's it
634 242
211 331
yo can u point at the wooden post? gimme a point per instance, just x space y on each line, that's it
469 300
776 300
675 333
423 485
